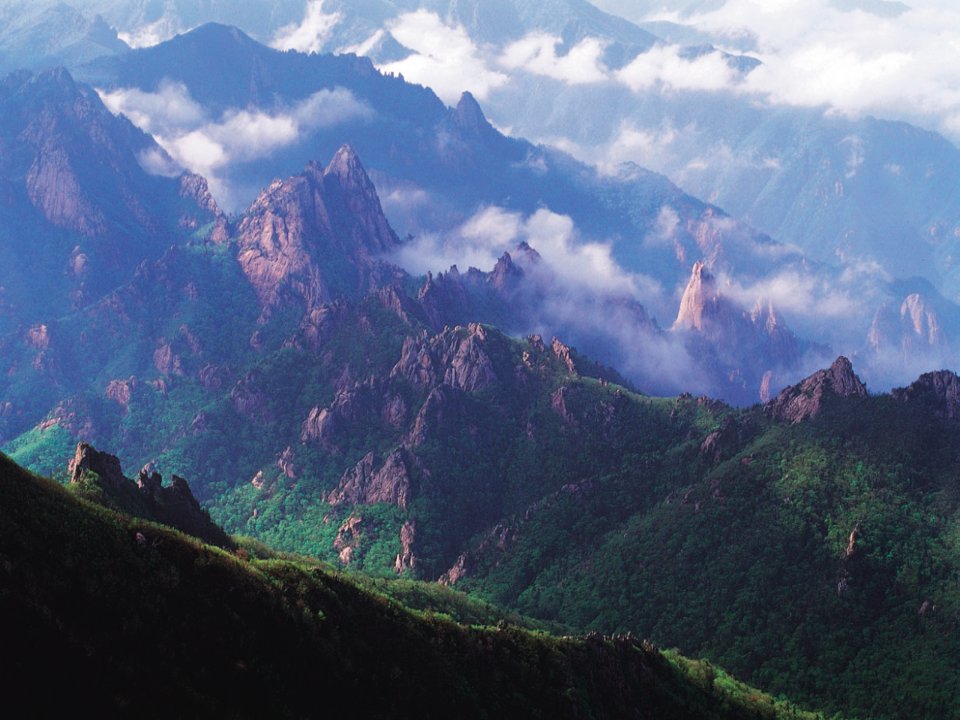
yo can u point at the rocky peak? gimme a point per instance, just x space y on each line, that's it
347 182
526 255
346 167
196 187
805 400
443 296
67 162
80 166
469 117
939 391
741 348
506 274
58 81
316 235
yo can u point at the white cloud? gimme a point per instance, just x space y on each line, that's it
648 147
157 161
663 66
579 263
169 108
206 146
444 57
852 61
478 243
492 231
805 298
196 150
493 227
665 230
311 34
537 53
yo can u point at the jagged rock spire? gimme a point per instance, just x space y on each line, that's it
700 302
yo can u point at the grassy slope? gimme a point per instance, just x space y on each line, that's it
747 562
96 616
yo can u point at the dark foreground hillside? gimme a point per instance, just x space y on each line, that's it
124 617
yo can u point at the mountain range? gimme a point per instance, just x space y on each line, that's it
374 329
828 293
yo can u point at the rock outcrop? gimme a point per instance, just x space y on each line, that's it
406 560
319 325
195 188
457 357
248 399
805 400
87 459
286 463
559 405
122 391
147 498
349 536
722 442
443 409
939 391
913 327
355 406
362 485
564 354
495 542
